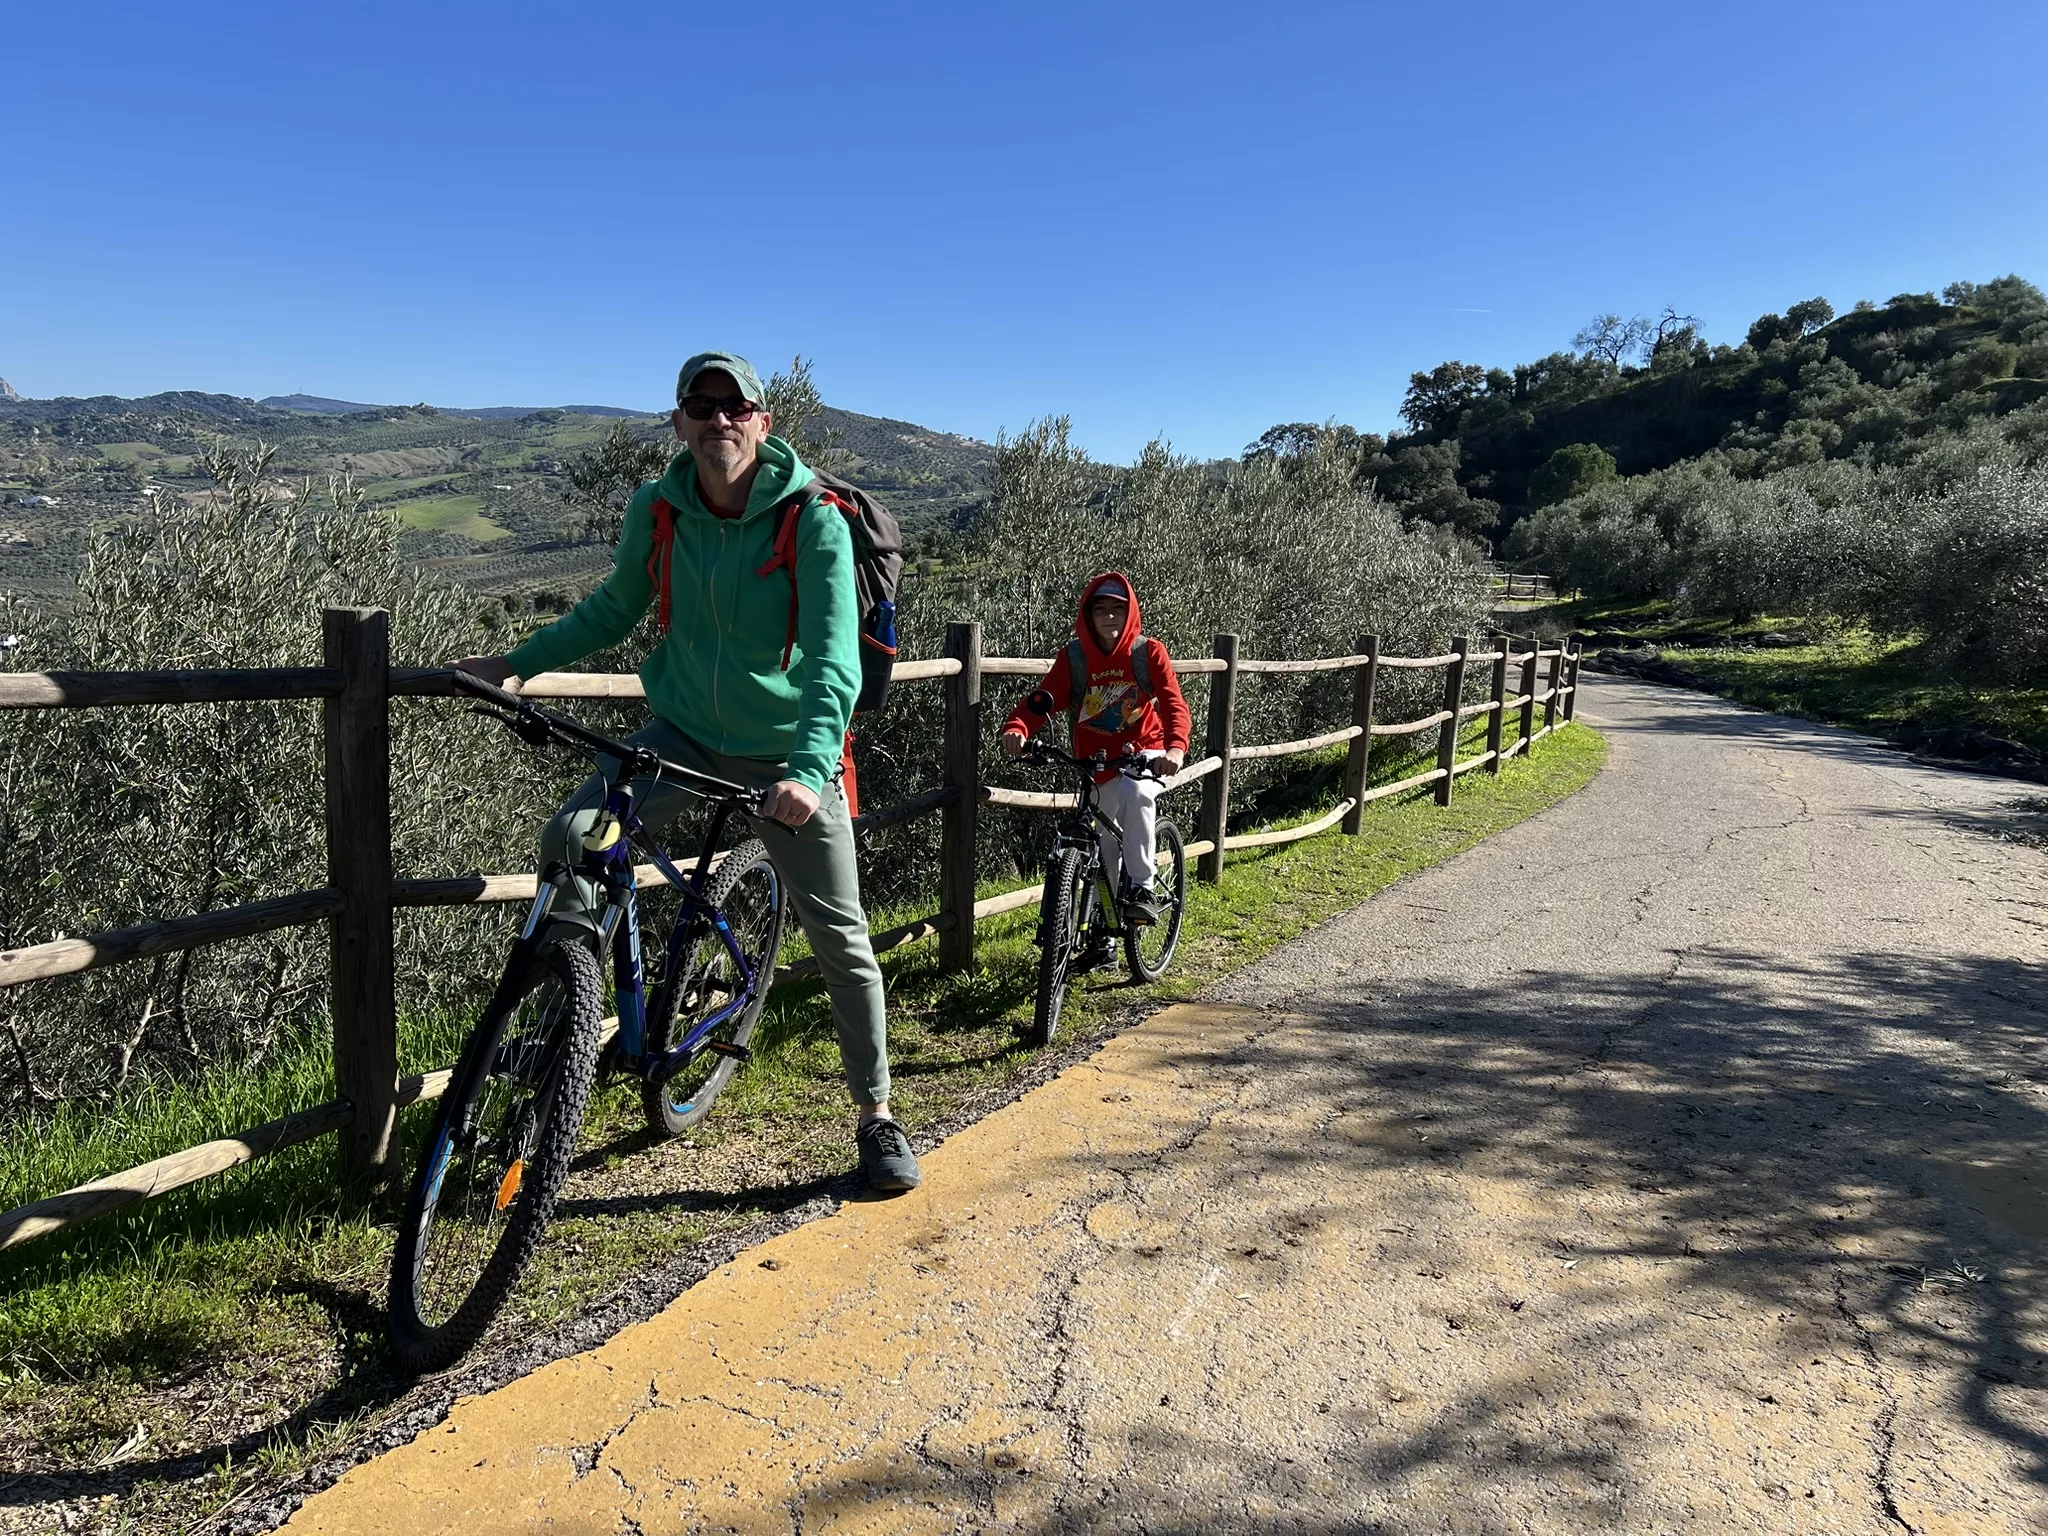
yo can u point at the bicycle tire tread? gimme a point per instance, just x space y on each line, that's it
419 1347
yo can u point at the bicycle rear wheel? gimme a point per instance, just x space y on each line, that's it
1148 949
486 1187
1059 938
750 894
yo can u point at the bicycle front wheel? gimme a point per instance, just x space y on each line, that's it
1148 949
1059 934
704 979
495 1163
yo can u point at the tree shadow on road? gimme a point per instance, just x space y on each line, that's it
1877 1123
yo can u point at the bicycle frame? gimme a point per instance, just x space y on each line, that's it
1082 828
608 863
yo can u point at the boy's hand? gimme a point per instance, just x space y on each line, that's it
1012 743
790 803
1168 763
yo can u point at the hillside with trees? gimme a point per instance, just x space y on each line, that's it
510 503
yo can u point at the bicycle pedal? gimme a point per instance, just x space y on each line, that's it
738 1053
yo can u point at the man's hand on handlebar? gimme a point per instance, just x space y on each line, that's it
495 670
1013 743
790 803
1168 763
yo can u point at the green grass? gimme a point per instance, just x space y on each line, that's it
269 1279
1847 677
450 514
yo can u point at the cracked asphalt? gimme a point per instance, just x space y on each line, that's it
1673 1161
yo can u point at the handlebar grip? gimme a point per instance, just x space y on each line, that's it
469 682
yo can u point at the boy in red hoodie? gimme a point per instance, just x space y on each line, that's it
1119 685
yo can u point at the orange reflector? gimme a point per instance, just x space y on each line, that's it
508 1189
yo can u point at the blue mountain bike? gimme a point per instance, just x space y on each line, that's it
507 1129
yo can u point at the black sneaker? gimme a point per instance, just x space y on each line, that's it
1142 908
885 1156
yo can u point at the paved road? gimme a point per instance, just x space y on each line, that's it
1672 1162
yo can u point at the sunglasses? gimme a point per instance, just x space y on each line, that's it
704 407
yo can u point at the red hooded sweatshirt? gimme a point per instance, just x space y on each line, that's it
1117 716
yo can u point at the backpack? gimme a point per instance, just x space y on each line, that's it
1077 676
877 571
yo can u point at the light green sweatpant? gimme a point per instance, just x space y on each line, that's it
817 867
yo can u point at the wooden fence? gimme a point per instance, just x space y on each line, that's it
1516 586
357 682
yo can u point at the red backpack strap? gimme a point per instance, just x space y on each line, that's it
661 558
787 516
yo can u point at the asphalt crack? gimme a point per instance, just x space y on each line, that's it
1887 1418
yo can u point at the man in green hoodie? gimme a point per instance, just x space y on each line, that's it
734 698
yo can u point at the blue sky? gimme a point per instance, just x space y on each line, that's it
1190 220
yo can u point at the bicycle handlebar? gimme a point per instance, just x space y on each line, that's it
1040 753
546 727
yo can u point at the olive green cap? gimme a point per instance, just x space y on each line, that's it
741 370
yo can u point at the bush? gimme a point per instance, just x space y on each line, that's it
118 816
1951 545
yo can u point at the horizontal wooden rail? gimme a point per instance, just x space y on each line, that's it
439 682
1473 762
907 810
63 957
921 671
1411 662
1290 834
1033 666
39 1218
92 690
1051 800
1306 744
1009 901
1384 791
1314 664
1410 727
1192 772
1483 707
1028 799
482 890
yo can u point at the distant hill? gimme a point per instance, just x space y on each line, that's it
481 494
321 405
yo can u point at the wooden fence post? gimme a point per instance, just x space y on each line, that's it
1571 680
1447 740
958 840
1556 675
1365 684
1528 693
362 983
1497 721
1213 819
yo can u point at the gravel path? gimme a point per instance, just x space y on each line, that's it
1673 1161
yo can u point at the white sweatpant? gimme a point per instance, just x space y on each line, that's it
1132 805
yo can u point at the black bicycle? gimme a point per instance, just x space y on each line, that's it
507 1128
1084 914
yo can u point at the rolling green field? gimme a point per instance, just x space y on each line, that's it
450 514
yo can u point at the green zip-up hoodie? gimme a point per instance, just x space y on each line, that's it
717 675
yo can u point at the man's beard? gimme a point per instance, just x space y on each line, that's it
723 452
